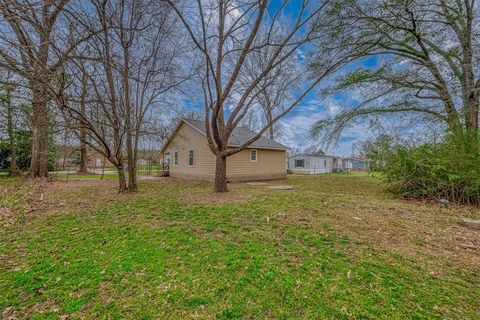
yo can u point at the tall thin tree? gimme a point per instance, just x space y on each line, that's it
225 33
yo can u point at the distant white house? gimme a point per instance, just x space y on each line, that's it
357 163
309 163
313 163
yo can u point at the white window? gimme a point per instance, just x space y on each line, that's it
324 163
175 158
190 157
253 155
299 163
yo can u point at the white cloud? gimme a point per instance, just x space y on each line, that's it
296 126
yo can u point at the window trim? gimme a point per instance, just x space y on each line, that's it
303 163
256 155
176 158
193 157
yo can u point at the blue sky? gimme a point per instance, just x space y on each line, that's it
297 124
295 127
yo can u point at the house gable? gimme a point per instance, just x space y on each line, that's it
238 137
187 141
184 139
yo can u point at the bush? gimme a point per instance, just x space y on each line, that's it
24 147
449 170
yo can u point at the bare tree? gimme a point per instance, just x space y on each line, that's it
225 33
150 68
82 131
36 41
276 87
119 77
7 99
428 54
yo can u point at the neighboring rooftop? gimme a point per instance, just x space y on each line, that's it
359 158
239 136
316 154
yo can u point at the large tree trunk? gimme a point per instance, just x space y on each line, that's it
471 119
122 182
131 155
38 166
221 175
83 134
11 136
270 120
132 174
83 157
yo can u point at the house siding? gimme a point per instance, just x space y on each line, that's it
313 164
270 164
306 167
186 139
321 165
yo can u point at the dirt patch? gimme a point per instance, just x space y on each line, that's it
20 199
415 229
31 199
7 217
153 178
83 183
82 196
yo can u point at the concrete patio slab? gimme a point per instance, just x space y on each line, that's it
281 187
471 223
257 183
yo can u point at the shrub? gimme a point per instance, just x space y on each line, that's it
24 147
449 170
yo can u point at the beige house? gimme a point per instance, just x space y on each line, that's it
191 158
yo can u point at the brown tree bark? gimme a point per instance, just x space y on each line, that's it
270 120
83 169
132 174
131 154
221 174
11 135
103 169
83 131
38 165
122 182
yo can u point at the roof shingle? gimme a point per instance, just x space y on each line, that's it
240 135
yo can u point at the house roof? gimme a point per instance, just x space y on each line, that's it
315 155
359 158
239 136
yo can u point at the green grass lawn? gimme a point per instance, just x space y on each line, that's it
335 247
